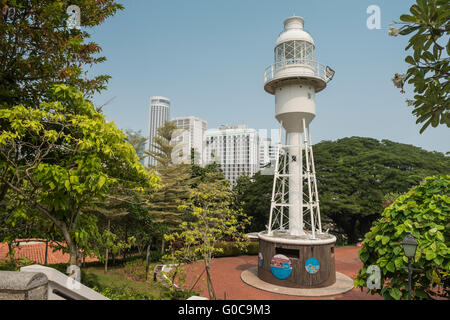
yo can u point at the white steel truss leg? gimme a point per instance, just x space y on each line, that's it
295 180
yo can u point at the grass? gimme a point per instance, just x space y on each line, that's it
117 278
126 281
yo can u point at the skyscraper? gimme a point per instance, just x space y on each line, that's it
190 141
235 149
159 113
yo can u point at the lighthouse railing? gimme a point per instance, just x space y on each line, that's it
318 69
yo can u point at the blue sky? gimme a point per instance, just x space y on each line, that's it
209 57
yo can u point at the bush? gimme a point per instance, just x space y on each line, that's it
135 269
8 265
125 293
253 248
424 211
229 249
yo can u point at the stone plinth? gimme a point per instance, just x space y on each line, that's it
23 286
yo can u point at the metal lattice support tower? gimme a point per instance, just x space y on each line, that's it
309 197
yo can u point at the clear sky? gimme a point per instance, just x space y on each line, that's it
209 58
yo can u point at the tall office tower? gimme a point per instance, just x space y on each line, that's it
235 149
190 140
159 113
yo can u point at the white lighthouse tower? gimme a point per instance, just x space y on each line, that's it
294 231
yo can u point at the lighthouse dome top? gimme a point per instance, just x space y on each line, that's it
293 30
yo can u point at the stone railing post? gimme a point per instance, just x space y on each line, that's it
23 286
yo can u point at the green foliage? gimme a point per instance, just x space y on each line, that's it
175 180
429 70
212 219
254 194
38 50
135 269
10 265
125 293
424 211
138 141
230 249
354 175
64 156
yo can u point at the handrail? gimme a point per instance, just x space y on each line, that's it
318 68
62 294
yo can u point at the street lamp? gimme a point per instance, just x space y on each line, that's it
409 245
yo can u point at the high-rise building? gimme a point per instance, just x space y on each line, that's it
267 152
190 140
159 114
235 149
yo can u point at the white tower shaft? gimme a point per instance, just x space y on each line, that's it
295 185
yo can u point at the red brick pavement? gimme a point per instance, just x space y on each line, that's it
227 283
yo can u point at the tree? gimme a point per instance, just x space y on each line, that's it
424 211
112 206
138 141
118 203
429 71
254 194
39 50
65 155
353 176
212 219
199 173
175 179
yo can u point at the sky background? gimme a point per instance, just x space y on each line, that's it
208 57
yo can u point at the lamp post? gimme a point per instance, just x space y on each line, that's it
409 245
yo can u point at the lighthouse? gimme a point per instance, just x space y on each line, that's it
294 250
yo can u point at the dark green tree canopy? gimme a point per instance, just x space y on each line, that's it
354 175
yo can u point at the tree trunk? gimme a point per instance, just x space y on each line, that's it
11 254
162 245
73 254
46 252
73 251
106 251
212 295
125 249
147 262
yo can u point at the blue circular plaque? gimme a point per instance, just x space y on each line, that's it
312 265
260 259
280 266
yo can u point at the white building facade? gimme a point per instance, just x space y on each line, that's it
235 149
267 152
190 140
159 114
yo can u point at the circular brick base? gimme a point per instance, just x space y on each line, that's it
343 284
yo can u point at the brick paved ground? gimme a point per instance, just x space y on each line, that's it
226 277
